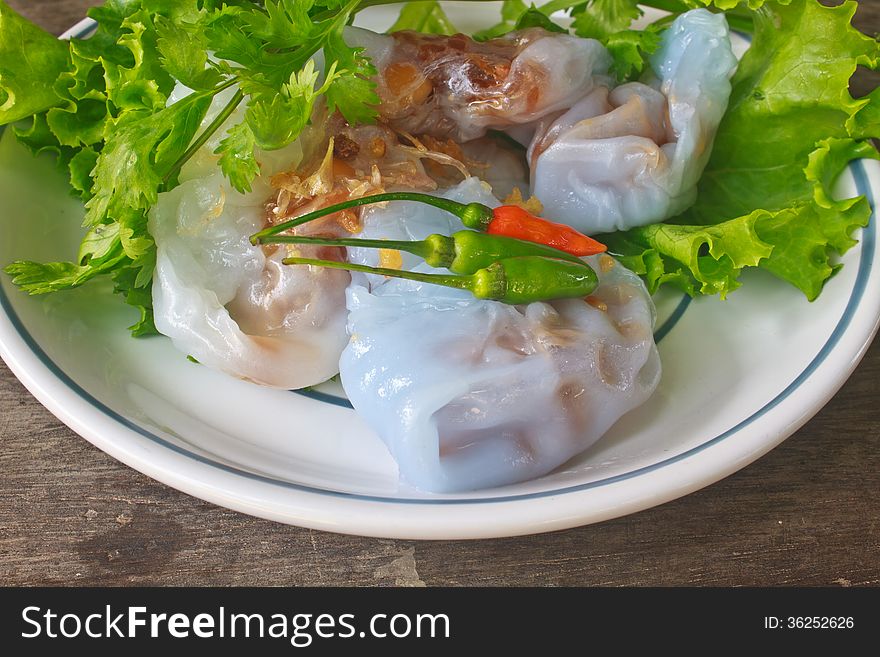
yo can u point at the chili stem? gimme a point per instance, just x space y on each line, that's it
460 282
418 248
453 207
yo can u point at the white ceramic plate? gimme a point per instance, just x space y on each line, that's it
739 377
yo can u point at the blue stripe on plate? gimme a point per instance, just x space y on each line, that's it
324 397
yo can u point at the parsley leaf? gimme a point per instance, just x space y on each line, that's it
183 50
353 92
533 17
609 21
237 158
277 120
139 152
284 24
599 19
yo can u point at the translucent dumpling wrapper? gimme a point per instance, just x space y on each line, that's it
499 164
633 155
471 394
234 306
453 86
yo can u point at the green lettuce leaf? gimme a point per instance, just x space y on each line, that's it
802 247
37 136
27 82
79 117
791 91
696 259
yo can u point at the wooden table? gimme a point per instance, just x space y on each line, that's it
807 513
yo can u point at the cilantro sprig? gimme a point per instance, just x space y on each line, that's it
103 105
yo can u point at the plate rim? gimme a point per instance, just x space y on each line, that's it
449 517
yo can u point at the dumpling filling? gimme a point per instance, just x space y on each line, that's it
457 87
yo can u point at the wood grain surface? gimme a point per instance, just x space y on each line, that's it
807 513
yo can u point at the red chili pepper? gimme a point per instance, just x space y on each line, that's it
514 221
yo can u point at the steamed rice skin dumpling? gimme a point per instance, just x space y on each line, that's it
632 155
468 393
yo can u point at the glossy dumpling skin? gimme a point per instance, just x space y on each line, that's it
229 304
471 394
233 306
633 155
453 86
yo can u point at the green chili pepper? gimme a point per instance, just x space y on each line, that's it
522 279
463 252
